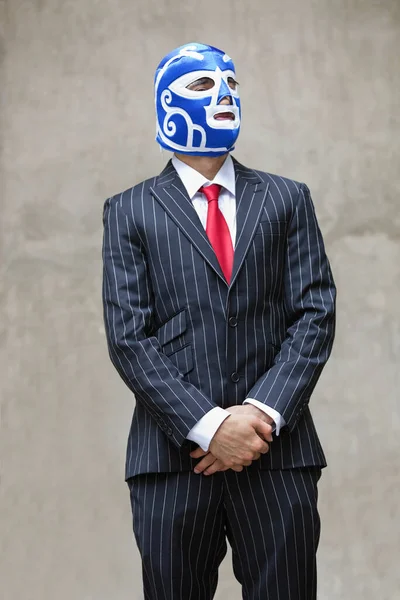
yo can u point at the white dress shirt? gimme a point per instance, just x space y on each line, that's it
205 429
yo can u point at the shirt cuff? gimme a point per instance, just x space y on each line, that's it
205 429
277 417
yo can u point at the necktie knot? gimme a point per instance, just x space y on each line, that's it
211 192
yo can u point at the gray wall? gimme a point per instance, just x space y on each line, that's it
320 93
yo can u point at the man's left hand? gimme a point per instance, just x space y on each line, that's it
210 464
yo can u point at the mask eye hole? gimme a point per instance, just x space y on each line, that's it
201 85
233 84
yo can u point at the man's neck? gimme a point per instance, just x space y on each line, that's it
206 165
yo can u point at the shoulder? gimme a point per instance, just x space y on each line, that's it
280 184
132 197
277 184
286 195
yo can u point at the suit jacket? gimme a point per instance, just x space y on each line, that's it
184 341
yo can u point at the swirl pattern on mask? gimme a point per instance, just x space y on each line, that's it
169 126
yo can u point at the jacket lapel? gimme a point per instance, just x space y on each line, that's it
251 192
170 192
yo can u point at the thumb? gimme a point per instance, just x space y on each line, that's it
264 429
198 453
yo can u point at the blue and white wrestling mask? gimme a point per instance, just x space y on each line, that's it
190 83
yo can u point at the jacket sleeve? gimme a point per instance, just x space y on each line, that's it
309 301
127 301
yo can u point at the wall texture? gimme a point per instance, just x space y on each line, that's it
320 85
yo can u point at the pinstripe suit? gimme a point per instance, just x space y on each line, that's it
185 341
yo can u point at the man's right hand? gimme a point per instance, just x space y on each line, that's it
238 441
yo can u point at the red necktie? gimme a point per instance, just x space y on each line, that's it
217 230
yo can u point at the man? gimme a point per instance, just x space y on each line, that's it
219 311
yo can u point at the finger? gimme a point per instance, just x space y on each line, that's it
216 466
243 462
237 468
222 466
198 453
262 448
266 438
204 463
265 430
221 469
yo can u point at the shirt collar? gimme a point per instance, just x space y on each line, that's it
193 180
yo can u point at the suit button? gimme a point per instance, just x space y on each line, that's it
169 431
235 377
233 321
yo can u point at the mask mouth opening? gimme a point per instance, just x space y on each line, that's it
224 115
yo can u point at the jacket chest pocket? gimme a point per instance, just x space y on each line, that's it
271 228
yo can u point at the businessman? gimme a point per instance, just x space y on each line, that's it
219 307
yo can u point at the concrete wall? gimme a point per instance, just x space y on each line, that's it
320 85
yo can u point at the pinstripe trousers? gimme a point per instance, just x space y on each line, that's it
270 518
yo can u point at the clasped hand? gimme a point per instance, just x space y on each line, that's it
239 440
